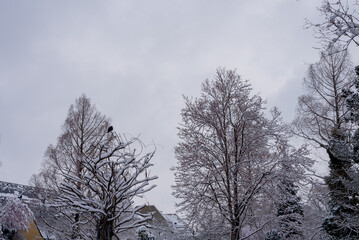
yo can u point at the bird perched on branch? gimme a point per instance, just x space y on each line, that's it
110 129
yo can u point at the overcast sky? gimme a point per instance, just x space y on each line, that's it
135 59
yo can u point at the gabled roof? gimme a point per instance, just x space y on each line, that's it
157 216
15 190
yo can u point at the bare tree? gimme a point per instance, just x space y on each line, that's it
341 24
224 158
84 129
321 111
106 193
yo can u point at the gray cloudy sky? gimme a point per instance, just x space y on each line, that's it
135 59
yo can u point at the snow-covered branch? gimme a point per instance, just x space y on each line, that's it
341 23
107 187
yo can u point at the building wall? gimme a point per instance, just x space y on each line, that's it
32 233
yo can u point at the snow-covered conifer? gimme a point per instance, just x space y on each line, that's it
343 221
292 168
322 119
273 235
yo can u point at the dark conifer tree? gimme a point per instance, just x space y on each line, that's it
343 221
273 235
289 210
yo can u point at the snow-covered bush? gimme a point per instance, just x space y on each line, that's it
15 216
142 233
273 235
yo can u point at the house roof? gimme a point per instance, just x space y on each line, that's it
28 194
157 216
15 190
176 221
31 195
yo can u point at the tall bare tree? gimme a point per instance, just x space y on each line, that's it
84 129
322 110
224 157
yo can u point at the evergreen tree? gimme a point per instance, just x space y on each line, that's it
343 221
290 212
273 235
290 215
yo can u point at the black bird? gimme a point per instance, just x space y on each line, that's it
110 129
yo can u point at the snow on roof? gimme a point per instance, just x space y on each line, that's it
15 190
157 217
175 220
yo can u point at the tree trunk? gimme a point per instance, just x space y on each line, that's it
105 230
235 232
75 228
